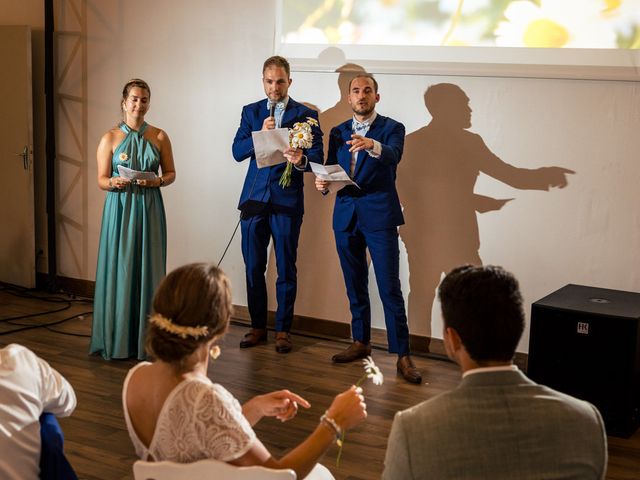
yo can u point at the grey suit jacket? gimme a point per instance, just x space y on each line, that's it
497 425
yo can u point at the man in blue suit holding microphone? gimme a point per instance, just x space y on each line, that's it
369 147
270 210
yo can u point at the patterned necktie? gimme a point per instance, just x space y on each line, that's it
279 112
358 128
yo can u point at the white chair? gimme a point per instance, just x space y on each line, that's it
205 470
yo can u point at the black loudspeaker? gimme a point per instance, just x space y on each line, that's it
585 341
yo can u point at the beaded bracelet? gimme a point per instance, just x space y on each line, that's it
331 423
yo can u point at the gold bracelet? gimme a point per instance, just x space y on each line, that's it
331 423
161 181
110 184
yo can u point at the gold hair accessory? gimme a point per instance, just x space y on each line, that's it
214 352
180 330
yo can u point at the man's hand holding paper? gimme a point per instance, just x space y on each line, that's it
330 178
269 146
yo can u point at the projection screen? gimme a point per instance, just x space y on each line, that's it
597 39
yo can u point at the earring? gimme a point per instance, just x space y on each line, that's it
214 352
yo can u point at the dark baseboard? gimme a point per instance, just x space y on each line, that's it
72 286
340 331
302 325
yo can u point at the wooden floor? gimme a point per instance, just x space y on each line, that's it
96 439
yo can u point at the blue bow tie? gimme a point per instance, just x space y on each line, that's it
360 128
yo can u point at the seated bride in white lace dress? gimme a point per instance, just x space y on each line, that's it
175 412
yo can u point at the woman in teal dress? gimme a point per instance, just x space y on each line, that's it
133 237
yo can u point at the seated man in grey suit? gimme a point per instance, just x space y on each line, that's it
497 424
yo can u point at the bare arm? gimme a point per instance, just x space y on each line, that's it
104 154
347 410
167 167
282 404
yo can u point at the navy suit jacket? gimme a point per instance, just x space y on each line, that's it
261 185
376 203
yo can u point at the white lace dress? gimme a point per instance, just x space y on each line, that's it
199 419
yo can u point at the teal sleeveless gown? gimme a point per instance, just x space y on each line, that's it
131 256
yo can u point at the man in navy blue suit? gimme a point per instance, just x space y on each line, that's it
369 147
269 210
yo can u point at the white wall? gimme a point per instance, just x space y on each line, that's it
203 61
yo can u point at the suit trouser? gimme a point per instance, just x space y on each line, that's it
256 234
53 463
352 247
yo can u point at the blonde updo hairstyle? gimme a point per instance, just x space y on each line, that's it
195 295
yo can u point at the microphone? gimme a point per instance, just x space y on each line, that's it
272 108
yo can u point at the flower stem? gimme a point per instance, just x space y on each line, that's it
340 450
341 443
285 179
455 18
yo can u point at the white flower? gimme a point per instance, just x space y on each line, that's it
555 24
373 372
300 135
303 125
370 371
123 157
301 139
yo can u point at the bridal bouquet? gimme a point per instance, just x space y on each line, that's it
300 136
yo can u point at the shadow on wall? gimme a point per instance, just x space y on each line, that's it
320 281
436 180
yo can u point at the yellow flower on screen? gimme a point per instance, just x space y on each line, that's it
555 24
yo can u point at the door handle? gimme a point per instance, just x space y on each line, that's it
25 157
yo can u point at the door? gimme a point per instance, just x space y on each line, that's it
17 222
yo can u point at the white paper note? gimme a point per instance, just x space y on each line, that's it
130 174
334 174
269 145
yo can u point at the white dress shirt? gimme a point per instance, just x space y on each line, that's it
501 368
28 387
362 128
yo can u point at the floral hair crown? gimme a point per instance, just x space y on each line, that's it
182 331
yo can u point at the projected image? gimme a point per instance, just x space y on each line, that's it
506 23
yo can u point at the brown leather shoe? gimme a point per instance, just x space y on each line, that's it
355 351
254 337
408 370
283 342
